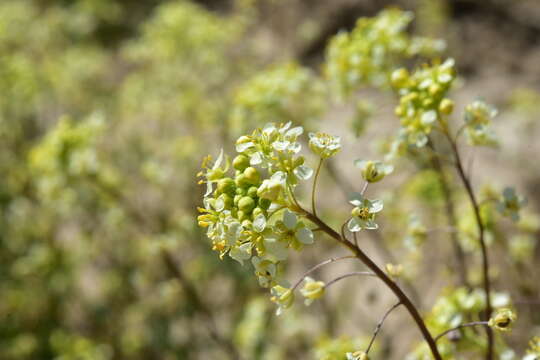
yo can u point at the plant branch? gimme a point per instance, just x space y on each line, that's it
475 323
481 237
318 266
379 326
366 260
344 276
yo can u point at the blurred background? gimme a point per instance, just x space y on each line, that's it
106 110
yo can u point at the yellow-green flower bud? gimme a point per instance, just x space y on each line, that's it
240 215
228 201
502 320
241 162
252 192
257 211
237 199
226 186
446 106
252 175
312 290
246 204
394 271
434 89
373 171
241 181
399 77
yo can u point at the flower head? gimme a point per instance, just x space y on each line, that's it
510 203
292 231
324 145
502 320
283 297
312 290
373 171
363 214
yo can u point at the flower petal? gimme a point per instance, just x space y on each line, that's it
305 236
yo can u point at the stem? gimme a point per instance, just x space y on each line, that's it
459 254
481 231
313 207
475 323
383 276
379 326
364 188
326 262
354 273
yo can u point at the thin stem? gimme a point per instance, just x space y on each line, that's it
383 276
461 267
313 207
379 326
475 323
316 267
481 230
364 189
344 276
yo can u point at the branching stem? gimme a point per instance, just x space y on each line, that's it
379 326
475 323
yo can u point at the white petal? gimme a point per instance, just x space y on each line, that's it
356 199
303 172
305 236
259 223
289 219
354 225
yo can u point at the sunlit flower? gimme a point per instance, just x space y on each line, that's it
324 145
312 290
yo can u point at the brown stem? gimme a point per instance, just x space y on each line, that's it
461 267
326 262
381 275
344 276
481 236
475 323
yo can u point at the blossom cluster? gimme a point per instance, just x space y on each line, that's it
366 54
253 215
423 100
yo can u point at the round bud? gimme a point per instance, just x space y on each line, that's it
257 211
241 162
226 186
240 191
252 175
298 161
434 89
252 192
399 77
227 200
241 215
237 199
446 106
246 204
241 181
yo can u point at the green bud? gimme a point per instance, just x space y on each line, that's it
399 77
246 204
241 180
446 106
237 199
434 89
257 211
226 186
241 215
240 191
252 192
241 162
252 175
227 200
298 161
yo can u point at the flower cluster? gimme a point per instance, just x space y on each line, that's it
423 100
502 320
510 203
533 352
253 215
366 54
478 116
